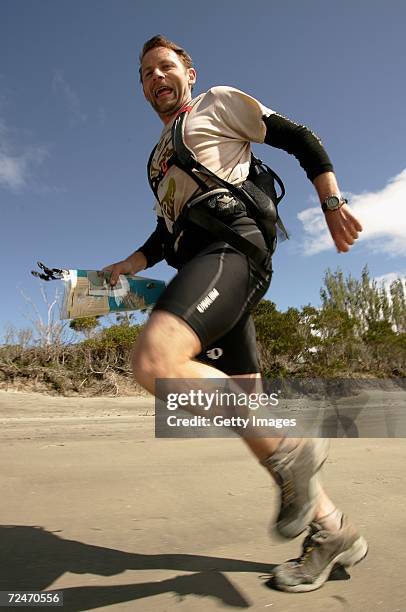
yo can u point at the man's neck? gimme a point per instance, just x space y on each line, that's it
168 118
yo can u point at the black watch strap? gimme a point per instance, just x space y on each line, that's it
324 206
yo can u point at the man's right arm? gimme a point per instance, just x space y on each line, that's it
150 253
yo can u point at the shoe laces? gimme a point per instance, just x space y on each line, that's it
314 539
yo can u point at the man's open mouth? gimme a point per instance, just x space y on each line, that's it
162 91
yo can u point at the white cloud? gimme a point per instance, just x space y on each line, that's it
12 171
389 277
386 280
60 85
16 161
382 214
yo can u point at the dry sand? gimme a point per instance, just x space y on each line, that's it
94 505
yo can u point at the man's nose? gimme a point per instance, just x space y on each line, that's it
157 74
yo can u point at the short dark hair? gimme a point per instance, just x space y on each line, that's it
161 41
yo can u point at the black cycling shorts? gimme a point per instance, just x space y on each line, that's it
215 290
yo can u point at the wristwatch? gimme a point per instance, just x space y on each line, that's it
333 202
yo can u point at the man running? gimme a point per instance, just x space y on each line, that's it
184 340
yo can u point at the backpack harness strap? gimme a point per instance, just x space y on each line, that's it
199 215
195 210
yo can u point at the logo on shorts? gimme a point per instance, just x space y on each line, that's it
214 353
208 300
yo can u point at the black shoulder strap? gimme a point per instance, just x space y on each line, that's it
184 154
255 169
152 184
180 160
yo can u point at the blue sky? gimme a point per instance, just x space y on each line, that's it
76 132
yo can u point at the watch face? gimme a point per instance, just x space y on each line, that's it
333 202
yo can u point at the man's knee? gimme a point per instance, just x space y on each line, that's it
164 345
147 361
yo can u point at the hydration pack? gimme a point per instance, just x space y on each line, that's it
257 195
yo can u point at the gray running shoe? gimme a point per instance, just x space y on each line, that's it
321 551
296 474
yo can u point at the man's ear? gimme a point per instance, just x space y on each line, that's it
192 76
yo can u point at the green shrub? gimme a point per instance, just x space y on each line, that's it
116 336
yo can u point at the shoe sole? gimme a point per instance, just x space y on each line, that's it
292 529
347 558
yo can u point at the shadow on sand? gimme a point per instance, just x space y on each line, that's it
32 558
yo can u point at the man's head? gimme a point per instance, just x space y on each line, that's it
167 76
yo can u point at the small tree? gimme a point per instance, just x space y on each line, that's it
398 301
50 330
283 337
85 325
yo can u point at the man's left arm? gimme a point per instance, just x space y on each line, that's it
343 225
301 142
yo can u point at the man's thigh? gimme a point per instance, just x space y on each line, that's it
214 294
235 353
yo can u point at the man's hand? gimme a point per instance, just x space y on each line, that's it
344 227
133 264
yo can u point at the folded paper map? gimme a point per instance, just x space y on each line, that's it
88 293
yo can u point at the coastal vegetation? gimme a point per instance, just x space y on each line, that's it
358 330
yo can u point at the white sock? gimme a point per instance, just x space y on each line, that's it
332 521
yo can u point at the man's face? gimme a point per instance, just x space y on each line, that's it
166 81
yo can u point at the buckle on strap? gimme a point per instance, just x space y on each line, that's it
220 202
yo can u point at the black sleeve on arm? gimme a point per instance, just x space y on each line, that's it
299 141
153 248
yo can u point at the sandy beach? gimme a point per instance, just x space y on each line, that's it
95 506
